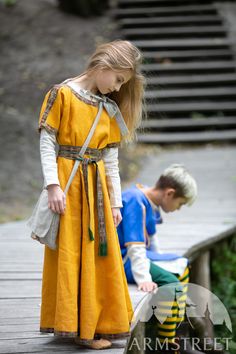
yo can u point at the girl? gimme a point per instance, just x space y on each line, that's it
84 289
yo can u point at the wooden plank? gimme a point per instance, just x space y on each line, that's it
11 313
192 79
22 335
24 267
173 32
49 344
167 138
164 11
217 93
169 21
188 122
31 320
182 43
216 66
20 289
14 275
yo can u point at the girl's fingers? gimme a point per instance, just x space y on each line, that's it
115 219
62 207
57 207
119 218
52 207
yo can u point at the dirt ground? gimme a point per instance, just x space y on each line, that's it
40 46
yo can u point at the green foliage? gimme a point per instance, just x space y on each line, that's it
223 275
8 2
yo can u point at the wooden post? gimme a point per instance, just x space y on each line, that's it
200 274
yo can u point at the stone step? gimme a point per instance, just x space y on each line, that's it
190 107
187 55
142 3
169 21
214 93
187 137
192 123
191 80
208 66
164 11
173 32
188 44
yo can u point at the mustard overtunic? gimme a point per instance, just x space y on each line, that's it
82 293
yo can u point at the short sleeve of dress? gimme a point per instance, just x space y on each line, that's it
51 111
115 134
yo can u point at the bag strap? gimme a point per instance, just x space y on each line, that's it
84 147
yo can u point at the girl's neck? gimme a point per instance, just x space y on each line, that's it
86 83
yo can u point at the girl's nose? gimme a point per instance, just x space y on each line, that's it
117 88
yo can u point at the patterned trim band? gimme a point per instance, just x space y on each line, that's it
50 101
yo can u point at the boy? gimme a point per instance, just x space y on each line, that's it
143 263
137 231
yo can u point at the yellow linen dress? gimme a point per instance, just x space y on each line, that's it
82 293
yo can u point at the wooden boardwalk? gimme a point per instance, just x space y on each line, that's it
210 218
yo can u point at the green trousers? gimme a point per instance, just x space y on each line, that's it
170 312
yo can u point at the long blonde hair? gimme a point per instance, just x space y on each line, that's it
122 55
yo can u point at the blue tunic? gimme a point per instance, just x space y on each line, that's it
138 224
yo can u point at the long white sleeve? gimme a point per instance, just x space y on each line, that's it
154 244
140 264
110 158
48 157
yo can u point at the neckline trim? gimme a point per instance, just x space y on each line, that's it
86 94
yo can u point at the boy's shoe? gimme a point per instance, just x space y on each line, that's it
96 344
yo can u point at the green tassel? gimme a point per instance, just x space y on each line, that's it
90 234
102 249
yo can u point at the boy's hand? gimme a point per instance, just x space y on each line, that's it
116 216
147 286
56 199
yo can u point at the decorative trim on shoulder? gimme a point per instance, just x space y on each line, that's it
51 99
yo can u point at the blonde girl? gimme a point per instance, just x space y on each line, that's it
84 289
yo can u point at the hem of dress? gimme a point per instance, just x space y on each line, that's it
76 334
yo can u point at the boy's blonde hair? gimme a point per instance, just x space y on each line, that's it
177 177
121 55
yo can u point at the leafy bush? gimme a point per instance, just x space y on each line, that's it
223 276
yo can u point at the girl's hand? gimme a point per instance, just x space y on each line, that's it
147 286
56 199
116 216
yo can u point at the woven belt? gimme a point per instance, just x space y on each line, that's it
94 155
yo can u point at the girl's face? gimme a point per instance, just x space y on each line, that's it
108 80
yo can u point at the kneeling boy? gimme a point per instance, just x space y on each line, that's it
143 263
